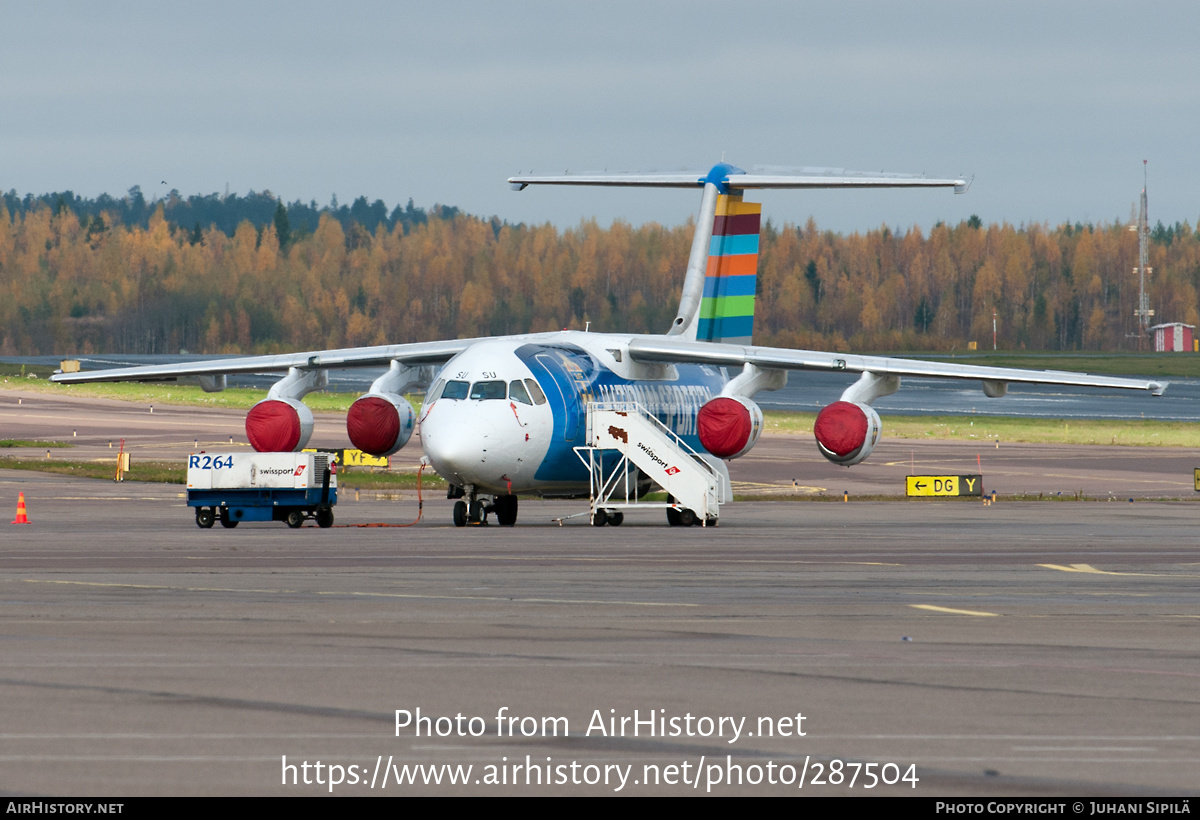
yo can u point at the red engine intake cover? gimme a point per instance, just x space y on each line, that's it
273 427
841 428
375 426
728 427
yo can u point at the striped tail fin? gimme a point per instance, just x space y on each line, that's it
727 307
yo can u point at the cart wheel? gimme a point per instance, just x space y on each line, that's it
294 519
205 517
687 518
616 518
325 518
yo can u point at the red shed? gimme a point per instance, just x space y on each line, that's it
1174 337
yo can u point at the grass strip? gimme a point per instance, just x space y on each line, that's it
15 442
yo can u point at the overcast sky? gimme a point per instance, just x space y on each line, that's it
1050 106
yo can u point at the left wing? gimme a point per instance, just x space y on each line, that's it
669 349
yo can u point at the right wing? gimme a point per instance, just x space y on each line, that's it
415 354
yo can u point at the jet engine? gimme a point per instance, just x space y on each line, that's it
380 423
729 426
279 425
847 432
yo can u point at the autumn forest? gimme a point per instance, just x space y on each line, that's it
77 279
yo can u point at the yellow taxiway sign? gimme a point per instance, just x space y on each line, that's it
943 485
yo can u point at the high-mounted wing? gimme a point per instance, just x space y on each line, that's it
380 422
411 355
662 349
848 429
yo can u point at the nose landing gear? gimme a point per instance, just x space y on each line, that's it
475 510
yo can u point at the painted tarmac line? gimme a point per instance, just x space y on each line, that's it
493 598
1088 569
932 608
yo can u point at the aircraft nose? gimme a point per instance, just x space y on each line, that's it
457 442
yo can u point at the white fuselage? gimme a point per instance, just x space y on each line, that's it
504 416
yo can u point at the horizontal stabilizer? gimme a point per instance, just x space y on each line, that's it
727 177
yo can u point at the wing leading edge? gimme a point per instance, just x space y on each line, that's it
661 349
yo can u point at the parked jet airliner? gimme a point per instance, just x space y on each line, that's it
504 414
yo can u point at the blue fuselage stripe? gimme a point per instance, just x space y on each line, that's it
570 378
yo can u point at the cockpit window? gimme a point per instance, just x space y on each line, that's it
488 390
455 390
539 397
435 392
517 392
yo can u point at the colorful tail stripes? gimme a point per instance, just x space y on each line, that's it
727 309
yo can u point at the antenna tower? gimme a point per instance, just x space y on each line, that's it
1143 313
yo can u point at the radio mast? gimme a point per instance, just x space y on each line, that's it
1143 313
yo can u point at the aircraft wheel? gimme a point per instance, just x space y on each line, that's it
687 518
476 513
506 510
600 518
673 517
294 519
460 513
205 517
616 518
325 518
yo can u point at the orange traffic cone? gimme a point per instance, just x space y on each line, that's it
21 517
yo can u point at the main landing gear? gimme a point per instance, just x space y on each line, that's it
475 509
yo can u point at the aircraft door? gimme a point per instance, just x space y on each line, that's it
563 397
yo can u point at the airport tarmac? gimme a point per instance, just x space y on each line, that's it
1034 649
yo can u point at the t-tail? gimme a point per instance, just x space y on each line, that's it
717 303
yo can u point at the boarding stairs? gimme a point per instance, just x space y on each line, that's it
644 443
